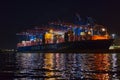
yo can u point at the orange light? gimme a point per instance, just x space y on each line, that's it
96 37
51 31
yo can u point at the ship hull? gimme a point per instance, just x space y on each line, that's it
69 46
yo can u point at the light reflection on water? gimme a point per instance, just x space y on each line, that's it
63 66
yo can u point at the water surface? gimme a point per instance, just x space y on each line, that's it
59 66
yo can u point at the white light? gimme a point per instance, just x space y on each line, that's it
103 29
113 35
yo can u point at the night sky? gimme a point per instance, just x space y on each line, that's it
18 15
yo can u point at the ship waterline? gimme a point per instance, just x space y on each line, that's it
69 46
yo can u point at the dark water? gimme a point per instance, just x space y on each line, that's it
59 66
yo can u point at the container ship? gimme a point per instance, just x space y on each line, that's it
64 37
